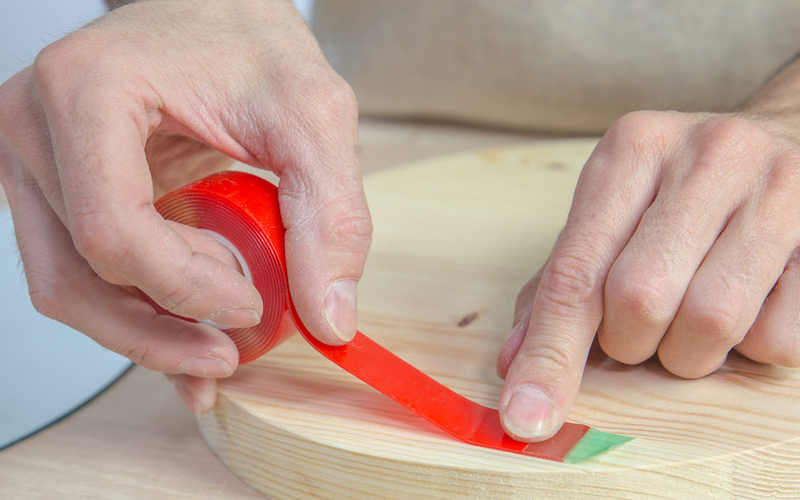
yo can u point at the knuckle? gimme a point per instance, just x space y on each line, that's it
337 99
137 354
725 142
108 276
173 299
323 95
45 294
789 356
789 362
681 368
793 266
62 70
734 133
325 114
97 237
781 344
642 134
571 280
788 164
56 61
341 97
719 322
349 226
335 215
785 173
48 66
638 298
554 357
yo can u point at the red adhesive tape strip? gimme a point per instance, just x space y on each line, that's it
243 208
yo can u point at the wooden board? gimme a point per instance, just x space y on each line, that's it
456 237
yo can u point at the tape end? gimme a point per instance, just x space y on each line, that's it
593 443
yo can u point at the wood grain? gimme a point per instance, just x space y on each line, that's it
137 440
455 238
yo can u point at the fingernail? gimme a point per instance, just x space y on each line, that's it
340 308
529 413
206 367
186 396
236 318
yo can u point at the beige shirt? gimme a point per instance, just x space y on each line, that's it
569 66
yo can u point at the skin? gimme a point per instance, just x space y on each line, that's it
681 242
148 98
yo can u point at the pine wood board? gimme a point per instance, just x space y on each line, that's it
137 440
455 238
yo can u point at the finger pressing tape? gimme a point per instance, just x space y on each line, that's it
243 209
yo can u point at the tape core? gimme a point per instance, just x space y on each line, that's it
235 251
242 263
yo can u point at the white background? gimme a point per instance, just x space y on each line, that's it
28 25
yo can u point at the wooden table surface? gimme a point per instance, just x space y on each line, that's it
136 440
455 238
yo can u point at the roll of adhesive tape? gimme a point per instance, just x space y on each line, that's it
243 210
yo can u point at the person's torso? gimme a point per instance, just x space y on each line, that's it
562 66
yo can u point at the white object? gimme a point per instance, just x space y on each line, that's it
26 27
47 370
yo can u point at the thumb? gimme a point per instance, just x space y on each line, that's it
99 130
328 224
328 235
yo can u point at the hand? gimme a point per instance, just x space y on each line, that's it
682 240
148 98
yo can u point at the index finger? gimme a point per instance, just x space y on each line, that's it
616 186
98 136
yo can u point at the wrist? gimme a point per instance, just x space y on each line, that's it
782 122
776 106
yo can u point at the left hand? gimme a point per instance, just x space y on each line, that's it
682 240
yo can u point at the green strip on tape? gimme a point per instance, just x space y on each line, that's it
593 443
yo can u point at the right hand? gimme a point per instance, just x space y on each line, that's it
146 99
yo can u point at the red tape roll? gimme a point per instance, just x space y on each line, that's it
243 208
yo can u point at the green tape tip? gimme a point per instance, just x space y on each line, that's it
593 443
